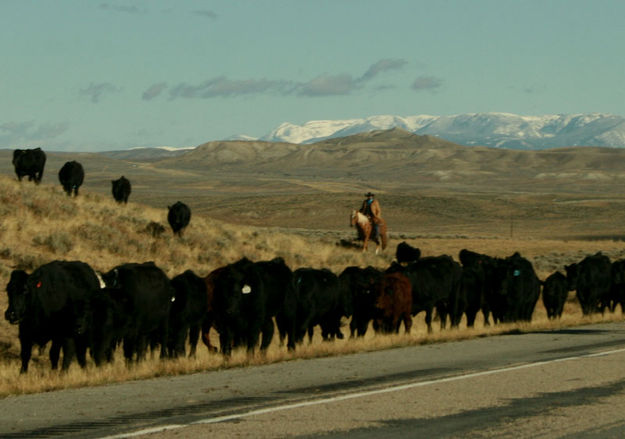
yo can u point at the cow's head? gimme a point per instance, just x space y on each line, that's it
18 293
17 154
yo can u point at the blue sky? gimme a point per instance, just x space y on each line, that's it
100 75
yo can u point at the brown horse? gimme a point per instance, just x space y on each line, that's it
365 228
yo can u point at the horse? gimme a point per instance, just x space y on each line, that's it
365 228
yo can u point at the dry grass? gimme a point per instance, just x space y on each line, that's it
40 378
40 224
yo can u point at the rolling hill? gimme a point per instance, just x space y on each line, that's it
426 184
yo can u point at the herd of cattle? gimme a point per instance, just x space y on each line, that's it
31 162
136 306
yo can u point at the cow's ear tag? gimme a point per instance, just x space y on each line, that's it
39 284
246 289
517 273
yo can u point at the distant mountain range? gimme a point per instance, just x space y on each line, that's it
499 130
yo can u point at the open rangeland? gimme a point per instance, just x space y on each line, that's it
263 212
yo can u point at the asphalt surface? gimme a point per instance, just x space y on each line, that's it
566 383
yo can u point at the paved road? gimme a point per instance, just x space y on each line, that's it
567 383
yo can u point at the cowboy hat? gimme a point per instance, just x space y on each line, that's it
369 194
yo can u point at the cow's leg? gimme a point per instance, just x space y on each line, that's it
287 327
268 331
194 336
129 347
407 322
281 323
164 337
69 350
486 313
352 328
443 316
25 352
141 347
206 327
362 327
81 352
471 317
225 342
253 333
55 354
428 319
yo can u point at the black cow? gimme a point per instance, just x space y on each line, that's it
178 217
245 300
481 283
121 189
52 304
188 313
406 253
617 290
279 287
592 280
319 303
357 286
520 290
29 162
71 177
144 293
435 282
555 293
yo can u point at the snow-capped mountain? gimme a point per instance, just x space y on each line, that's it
501 130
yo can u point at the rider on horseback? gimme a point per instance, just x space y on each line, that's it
371 209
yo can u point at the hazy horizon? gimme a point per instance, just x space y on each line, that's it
93 76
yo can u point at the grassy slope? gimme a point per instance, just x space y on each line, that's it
40 223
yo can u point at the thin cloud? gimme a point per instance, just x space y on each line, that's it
381 66
154 91
224 87
95 92
426 83
328 85
322 85
15 133
206 13
121 8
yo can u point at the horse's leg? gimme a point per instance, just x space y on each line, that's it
365 240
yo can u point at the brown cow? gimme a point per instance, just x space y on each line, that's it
208 322
393 303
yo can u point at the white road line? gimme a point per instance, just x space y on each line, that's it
355 395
